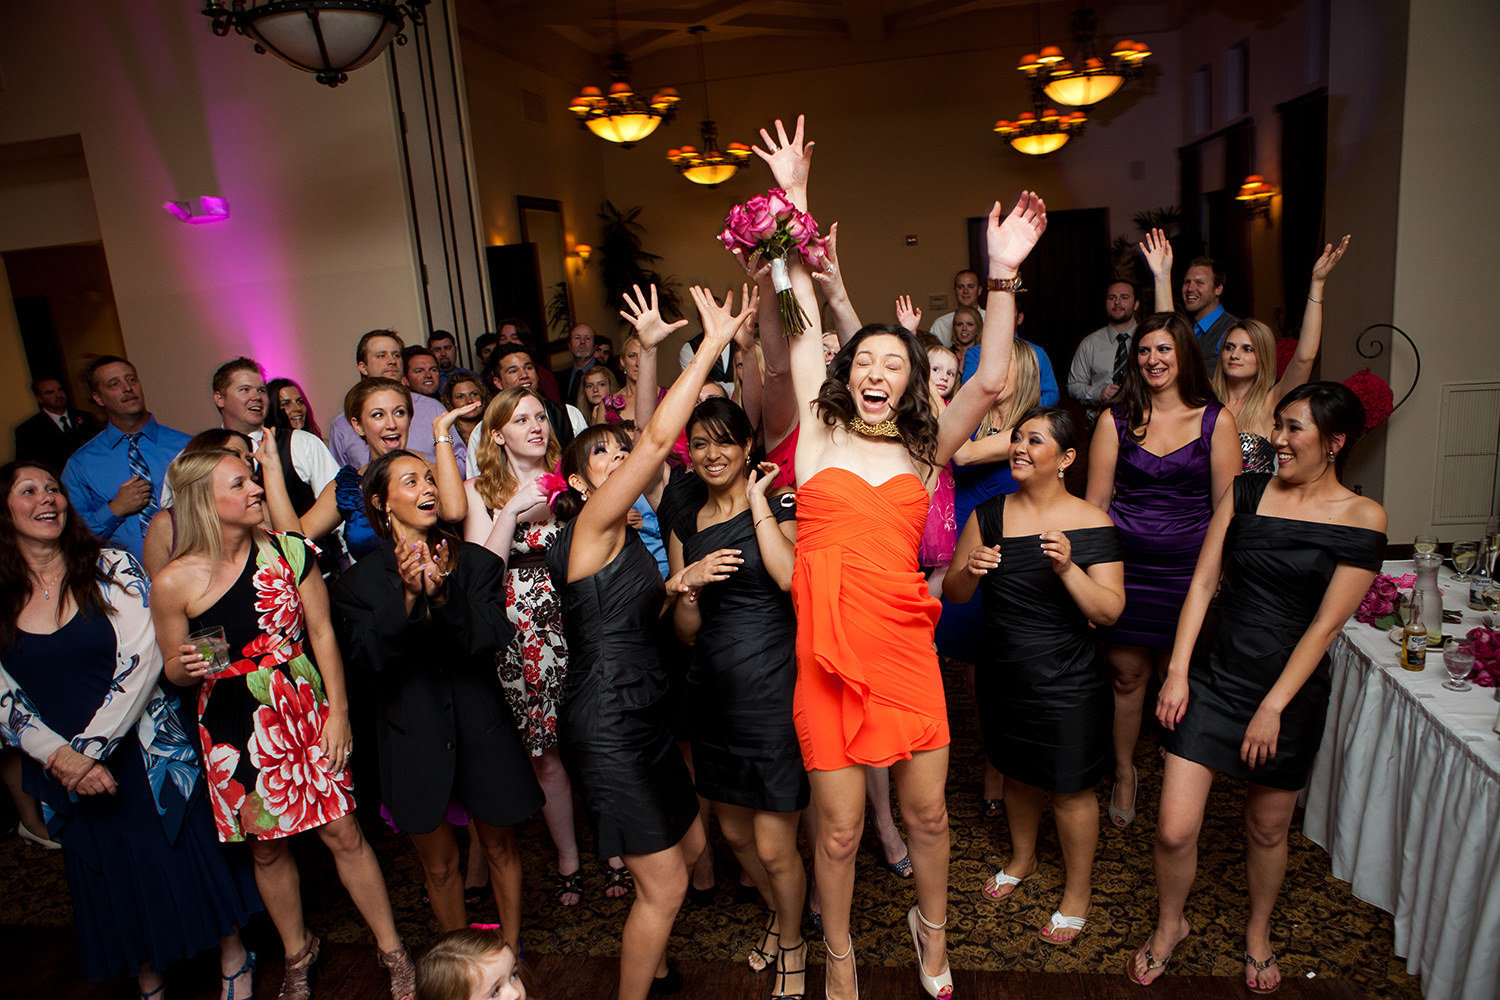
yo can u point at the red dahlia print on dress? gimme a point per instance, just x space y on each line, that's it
294 782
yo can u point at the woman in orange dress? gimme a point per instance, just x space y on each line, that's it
868 689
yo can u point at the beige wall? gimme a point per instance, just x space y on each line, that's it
1446 257
317 249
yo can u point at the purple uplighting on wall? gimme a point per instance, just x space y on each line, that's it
198 211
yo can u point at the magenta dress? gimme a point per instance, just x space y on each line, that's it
1162 506
940 536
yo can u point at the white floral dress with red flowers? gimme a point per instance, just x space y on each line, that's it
260 721
533 665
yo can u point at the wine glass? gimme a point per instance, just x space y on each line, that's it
1425 543
1458 660
1465 555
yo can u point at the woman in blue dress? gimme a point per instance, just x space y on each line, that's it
106 752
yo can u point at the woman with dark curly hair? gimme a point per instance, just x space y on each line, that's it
869 693
289 407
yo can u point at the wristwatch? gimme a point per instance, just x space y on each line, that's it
1006 284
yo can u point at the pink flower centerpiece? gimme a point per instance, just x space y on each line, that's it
1378 607
1486 645
770 226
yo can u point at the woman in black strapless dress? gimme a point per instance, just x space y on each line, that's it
746 757
614 719
1290 555
1048 563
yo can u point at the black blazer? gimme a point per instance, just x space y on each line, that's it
444 731
39 439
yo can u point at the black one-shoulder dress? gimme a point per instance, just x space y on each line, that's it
1041 682
1276 571
614 718
743 673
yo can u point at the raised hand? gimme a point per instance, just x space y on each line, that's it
829 275
756 267
761 478
409 565
1329 260
790 160
719 324
646 318
907 314
267 454
1157 250
443 424
1009 240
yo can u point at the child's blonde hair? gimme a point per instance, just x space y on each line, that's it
450 969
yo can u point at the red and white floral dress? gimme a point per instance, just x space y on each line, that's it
533 665
260 721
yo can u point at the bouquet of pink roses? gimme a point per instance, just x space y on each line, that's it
770 226
1378 607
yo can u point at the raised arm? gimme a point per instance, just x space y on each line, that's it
845 320
600 529
1009 241
790 160
277 501
453 501
907 315
778 408
652 331
1299 370
1157 250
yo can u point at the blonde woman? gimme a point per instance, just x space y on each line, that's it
1245 379
508 514
273 726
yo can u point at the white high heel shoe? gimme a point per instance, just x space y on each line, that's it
940 986
839 958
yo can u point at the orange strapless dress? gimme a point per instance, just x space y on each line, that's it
868 686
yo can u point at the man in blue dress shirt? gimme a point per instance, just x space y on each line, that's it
114 481
1201 287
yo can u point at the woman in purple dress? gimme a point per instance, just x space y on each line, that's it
1158 466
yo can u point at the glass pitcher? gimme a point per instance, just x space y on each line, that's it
1427 564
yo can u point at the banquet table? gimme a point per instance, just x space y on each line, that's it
1405 797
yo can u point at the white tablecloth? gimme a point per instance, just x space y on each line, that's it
1405 797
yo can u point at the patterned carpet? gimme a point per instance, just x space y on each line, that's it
1320 929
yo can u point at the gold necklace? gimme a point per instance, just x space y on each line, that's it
47 587
884 429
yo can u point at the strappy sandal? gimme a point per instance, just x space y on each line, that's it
901 869
778 991
1152 962
1260 967
571 884
229 981
403 973
759 959
617 878
295 982
1122 818
143 995
940 986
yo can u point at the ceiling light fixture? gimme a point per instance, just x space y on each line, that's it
327 38
622 115
1087 77
708 166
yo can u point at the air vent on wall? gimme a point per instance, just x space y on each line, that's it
1468 453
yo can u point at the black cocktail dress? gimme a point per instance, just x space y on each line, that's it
1276 571
1041 682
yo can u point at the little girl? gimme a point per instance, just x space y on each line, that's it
941 533
470 964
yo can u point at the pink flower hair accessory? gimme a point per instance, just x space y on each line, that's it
552 485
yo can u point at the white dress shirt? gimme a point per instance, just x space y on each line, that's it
1093 364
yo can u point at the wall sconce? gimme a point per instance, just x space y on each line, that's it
197 211
582 252
1255 194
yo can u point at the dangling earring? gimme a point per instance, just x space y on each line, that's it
1061 472
1330 456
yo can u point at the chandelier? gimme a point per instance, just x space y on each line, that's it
1042 131
708 166
622 115
1087 77
324 37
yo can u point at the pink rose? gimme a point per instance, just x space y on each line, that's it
779 204
759 223
801 227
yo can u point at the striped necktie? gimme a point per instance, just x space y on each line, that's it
1122 355
139 467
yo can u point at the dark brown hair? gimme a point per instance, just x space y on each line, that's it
376 482
80 551
575 462
913 411
1192 376
276 416
1335 410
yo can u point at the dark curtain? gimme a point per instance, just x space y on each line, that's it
1065 279
1304 148
516 286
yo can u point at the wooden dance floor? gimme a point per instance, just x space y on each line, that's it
44 963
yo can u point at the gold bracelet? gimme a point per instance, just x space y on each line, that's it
763 517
